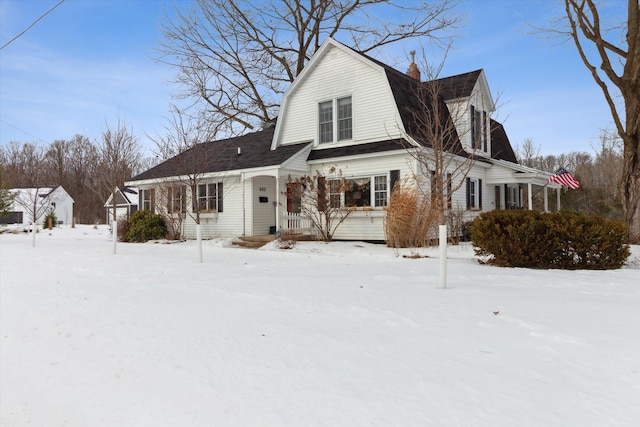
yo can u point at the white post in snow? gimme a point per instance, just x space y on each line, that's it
114 234
442 241
199 239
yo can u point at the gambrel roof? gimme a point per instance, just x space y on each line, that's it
258 149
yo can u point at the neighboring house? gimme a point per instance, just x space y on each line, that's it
42 200
126 203
349 112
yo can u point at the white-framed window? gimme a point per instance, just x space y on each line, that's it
148 198
474 193
345 119
210 197
380 194
340 111
358 191
176 199
325 119
479 130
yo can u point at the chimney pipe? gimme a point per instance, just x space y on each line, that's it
239 151
413 70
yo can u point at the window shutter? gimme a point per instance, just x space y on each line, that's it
322 194
506 196
449 187
473 130
480 193
220 192
468 193
394 175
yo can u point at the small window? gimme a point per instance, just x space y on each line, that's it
176 200
474 193
326 121
148 199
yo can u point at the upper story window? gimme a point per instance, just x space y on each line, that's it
345 127
479 130
339 111
326 121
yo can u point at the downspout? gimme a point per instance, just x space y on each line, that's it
244 217
277 200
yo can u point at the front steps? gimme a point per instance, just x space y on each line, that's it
255 242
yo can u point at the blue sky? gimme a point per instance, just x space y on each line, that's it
90 61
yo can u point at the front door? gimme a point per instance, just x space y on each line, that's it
294 197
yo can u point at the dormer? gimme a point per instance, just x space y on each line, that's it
470 104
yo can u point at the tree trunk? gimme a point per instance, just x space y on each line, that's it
631 185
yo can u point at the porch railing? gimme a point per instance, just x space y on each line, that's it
295 223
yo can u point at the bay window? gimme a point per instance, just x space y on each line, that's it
357 192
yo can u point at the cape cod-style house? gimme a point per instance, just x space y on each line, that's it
347 112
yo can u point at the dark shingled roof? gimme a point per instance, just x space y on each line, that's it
412 97
459 86
500 145
222 156
358 149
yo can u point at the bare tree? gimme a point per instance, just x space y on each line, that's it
434 140
321 203
119 155
185 136
528 154
236 58
6 197
33 200
612 55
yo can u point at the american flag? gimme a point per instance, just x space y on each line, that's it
565 178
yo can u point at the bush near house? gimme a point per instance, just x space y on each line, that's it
564 240
145 225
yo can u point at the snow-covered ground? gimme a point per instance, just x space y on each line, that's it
339 334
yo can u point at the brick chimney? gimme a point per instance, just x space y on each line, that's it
413 70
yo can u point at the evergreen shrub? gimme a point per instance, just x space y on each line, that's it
50 215
145 225
564 240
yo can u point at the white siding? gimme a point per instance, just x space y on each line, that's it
222 224
340 74
264 213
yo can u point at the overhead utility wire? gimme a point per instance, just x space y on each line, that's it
29 27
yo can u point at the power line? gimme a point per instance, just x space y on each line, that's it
29 27
23 131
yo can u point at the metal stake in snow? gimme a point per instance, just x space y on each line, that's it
114 234
199 238
442 242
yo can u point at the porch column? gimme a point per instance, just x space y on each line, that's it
546 202
277 202
558 196
529 196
